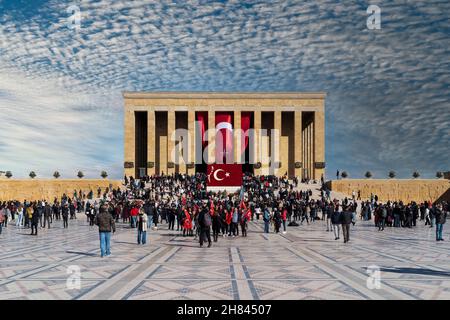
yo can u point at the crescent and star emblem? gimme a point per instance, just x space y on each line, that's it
215 174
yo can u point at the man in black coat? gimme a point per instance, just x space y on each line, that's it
205 221
72 211
346 219
34 221
47 214
336 217
441 217
171 216
40 210
65 215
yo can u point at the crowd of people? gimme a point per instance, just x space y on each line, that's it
184 202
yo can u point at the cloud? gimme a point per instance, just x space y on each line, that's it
388 98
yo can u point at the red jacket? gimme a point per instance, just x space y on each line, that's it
134 212
228 217
284 214
187 223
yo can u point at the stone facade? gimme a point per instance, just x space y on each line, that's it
405 190
48 189
305 112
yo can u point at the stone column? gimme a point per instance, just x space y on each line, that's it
298 142
319 142
182 151
276 147
191 142
211 136
265 156
311 149
162 154
308 151
129 139
237 137
257 142
170 142
303 152
151 143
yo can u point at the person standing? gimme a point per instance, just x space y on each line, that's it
266 218
187 223
396 212
215 224
106 225
346 221
72 211
336 222
329 211
47 214
277 220
6 214
228 221
204 220
134 214
234 222
29 215
34 220
383 216
65 215
56 209
171 216
246 216
283 219
40 209
142 227
156 217
91 213
2 219
441 217
432 214
19 222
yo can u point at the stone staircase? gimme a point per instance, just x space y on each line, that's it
315 188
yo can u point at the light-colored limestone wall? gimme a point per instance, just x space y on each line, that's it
277 146
191 142
129 141
37 189
257 142
276 102
151 142
298 141
319 143
405 190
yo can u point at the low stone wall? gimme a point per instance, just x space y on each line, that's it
405 190
36 189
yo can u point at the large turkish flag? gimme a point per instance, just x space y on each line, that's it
224 137
224 175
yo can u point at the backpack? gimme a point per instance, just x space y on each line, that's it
207 220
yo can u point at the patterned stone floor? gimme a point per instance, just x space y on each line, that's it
305 263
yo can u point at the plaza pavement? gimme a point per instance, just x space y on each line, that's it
305 263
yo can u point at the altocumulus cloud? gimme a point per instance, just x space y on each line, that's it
388 90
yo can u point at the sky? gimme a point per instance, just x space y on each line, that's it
62 72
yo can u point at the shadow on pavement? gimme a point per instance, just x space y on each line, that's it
83 253
421 271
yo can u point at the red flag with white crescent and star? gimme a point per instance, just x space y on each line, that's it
220 175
